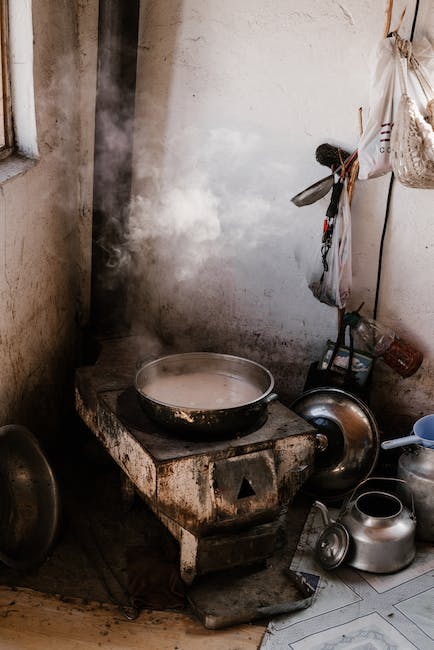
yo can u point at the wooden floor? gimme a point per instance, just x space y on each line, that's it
30 620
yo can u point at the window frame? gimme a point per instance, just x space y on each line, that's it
8 129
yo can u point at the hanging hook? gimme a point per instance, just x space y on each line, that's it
389 10
395 31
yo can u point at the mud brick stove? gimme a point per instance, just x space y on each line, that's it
221 500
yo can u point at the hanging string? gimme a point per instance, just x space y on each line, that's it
389 200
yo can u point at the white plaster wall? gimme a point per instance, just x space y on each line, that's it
233 99
44 218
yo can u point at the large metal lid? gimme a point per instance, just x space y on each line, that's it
353 440
29 498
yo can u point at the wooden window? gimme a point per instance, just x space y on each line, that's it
6 129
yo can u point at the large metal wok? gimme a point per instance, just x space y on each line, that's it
205 421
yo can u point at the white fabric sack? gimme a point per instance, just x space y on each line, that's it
333 286
374 144
385 94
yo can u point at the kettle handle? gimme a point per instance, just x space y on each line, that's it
377 478
325 516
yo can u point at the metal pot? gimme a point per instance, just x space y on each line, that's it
206 422
416 467
375 532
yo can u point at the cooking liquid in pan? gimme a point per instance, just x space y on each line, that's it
201 390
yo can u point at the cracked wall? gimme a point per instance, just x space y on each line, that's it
45 226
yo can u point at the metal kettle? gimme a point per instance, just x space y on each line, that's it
416 468
374 531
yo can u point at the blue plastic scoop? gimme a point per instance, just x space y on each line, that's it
423 435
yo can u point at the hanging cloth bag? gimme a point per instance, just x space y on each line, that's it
374 145
412 141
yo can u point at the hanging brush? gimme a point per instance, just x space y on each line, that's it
330 156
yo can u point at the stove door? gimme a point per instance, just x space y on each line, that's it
245 488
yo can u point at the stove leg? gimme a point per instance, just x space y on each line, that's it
188 549
188 556
128 492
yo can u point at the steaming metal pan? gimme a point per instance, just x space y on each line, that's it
198 420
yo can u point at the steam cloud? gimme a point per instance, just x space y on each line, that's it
216 194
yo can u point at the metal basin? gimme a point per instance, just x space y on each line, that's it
200 421
29 500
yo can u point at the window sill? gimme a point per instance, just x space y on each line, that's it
15 165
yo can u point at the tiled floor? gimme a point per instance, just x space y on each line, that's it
359 610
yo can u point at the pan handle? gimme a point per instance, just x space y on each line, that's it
271 398
321 442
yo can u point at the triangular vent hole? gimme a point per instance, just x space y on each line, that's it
246 490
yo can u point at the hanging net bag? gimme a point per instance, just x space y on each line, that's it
412 138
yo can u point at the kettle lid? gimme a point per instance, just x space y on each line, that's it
332 546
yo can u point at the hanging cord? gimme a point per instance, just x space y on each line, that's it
383 237
388 202
413 27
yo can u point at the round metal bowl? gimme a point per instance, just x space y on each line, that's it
352 440
210 422
29 500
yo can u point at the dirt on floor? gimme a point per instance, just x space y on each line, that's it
110 553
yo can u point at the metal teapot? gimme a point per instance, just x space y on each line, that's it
374 532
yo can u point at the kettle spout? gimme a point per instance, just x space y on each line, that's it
324 513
